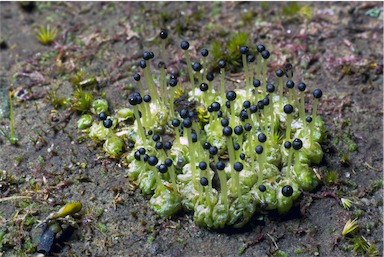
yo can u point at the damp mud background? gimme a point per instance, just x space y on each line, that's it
337 47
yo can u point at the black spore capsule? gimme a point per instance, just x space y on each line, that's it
317 93
260 104
213 150
220 165
260 48
175 122
222 64
238 166
204 181
173 82
168 162
246 104
270 88
215 106
103 116
231 95
142 150
290 84
224 122
251 58
210 76
262 137
184 45
159 145
197 66
107 123
163 168
156 137
137 155
187 123
152 160
297 144
266 101
142 64
136 77
243 115
147 55
194 137
288 108
203 87
244 49
227 131
247 127
163 34
256 83
253 108
279 73
265 54
147 98
301 86
259 149
287 190
287 144
203 165
206 145
183 113
238 130
167 145
204 52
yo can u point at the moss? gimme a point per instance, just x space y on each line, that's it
291 8
229 51
300 250
46 35
102 227
280 253
81 100
330 177
375 185
57 101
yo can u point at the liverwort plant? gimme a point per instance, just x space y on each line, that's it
219 152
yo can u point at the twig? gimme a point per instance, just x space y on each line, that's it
16 197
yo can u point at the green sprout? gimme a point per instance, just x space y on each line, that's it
46 35
221 154
360 244
331 177
347 203
55 100
11 137
81 100
349 227
291 8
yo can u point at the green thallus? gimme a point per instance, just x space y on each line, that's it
238 152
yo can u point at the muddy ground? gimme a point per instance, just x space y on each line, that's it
337 47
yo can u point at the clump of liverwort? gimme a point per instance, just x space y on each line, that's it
234 153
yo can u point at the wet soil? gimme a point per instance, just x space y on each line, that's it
335 46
